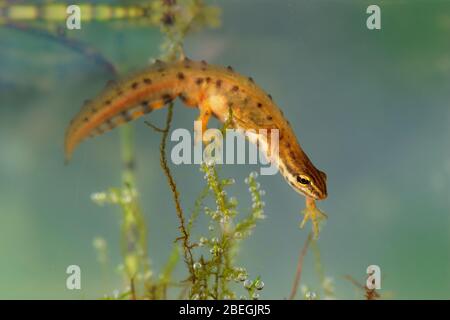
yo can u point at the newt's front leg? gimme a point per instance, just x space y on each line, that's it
205 115
312 212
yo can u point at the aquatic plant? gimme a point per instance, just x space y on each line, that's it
215 269
211 255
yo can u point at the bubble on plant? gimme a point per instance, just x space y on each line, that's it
195 296
243 297
197 265
310 295
98 197
246 181
248 284
238 235
226 297
254 174
262 192
242 276
259 285
211 228
255 296
214 240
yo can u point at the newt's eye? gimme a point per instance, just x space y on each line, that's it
302 180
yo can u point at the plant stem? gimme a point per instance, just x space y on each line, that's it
298 273
176 196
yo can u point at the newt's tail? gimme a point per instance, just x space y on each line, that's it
121 102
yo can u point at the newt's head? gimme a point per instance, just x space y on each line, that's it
305 178
312 185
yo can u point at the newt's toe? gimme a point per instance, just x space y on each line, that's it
316 216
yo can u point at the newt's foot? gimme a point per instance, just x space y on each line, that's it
316 216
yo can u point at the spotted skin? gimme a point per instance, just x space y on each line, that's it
214 90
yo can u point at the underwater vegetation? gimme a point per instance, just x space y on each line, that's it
210 256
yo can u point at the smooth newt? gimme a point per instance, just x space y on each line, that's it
214 90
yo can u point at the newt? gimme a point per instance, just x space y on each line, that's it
214 90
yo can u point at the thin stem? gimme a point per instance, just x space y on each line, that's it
298 272
176 196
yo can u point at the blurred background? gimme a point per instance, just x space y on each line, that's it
371 108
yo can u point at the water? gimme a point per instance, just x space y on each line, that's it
371 108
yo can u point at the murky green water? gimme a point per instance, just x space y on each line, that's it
371 108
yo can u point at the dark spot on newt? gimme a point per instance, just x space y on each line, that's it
251 79
146 108
230 68
204 63
183 97
107 102
180 76
235 88
259 105
125 115
218 83
134 85
269 118
270 96
208 79
166 98
110 124
147 81
199 81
